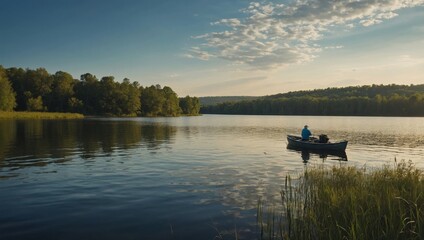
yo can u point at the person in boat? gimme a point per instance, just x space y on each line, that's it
306 133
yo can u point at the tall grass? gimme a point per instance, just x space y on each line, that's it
348 203
39 115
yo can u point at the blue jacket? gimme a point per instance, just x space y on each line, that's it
306 134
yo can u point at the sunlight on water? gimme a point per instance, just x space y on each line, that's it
170 178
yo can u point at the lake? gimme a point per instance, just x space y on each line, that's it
171 178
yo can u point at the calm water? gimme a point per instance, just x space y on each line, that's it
170 178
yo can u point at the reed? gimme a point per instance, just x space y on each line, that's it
348 203
39 115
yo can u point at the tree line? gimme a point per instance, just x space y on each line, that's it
37 90
206 101
374 100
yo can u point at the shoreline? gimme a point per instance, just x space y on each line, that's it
40 115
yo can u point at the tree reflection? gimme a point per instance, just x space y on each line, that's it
39 142
7 137
155 135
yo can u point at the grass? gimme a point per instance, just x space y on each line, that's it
39 115
348 203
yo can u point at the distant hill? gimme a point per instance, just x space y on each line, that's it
368 100
208 101
356 91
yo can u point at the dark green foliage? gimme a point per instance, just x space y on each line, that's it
207 101
152 100
86 90
158 101
39 82
17 77
62 91
369 91
35 104
109 96
120 99
130 101
171 105
190 105
37 90
75 105
7 95
29 84
375 100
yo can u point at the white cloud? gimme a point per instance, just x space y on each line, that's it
333 47
233 22
196 52
272 35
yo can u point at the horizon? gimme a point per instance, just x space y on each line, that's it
218 48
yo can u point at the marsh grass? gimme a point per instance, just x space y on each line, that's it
348 203
39 115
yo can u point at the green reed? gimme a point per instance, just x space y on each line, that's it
348 203
39 115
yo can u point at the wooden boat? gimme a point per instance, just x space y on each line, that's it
315 144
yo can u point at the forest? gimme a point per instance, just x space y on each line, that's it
207 101
369 100
38 90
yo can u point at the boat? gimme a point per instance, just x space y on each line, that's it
315 144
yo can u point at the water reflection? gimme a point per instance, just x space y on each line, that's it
40 142
7 136
306 154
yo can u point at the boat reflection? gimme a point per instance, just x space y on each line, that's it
323 154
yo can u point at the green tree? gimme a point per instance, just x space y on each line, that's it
7 95
195 108
39 82
190 105
185 105
62 91
130 97
87 91
152 100
75 105
118 99
375 100
35 104
34 84
171 106
17 76
109 97
37 90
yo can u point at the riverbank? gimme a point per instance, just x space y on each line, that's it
349 203
39 115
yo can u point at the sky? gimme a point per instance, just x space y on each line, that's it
220 47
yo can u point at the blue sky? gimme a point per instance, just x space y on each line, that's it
220 47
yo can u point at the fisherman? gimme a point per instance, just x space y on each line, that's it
306 133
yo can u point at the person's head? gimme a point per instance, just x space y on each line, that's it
306 126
